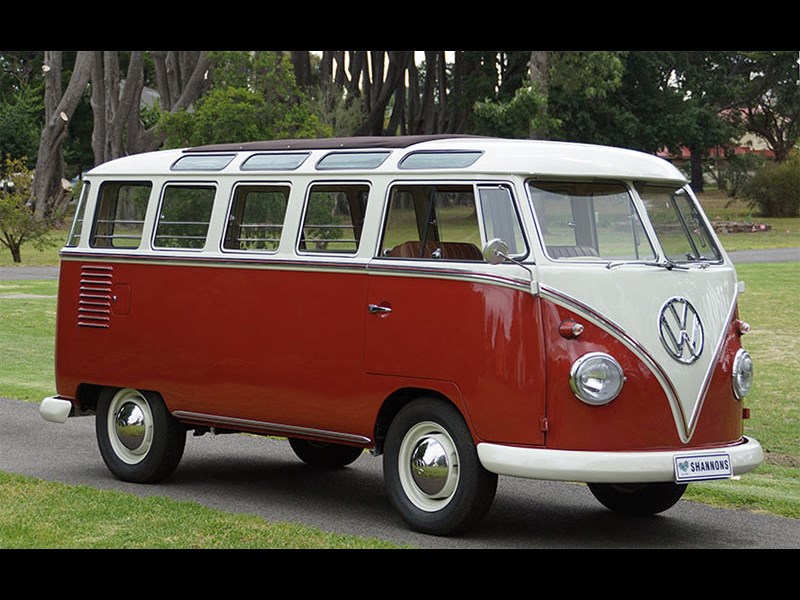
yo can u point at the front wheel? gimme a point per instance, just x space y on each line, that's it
321 454
431 468
139 440
638 499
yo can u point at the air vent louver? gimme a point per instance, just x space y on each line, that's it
94 301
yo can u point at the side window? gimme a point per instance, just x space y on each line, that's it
500 219
256 218
119 217
184 216
334 218
432 222
77 222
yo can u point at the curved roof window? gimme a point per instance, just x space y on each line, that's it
202 162
453 159
352 160
275 162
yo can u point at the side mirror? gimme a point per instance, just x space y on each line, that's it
495 251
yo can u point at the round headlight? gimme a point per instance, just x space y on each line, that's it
596 378
742 373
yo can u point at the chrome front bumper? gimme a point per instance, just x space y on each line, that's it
605 467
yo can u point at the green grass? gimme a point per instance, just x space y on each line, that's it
769 304
27 326
41 514
783 233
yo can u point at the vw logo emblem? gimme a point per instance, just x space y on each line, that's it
681 330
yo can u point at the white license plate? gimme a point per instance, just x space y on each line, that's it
697 467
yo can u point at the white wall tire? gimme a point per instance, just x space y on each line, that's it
138 439
431 468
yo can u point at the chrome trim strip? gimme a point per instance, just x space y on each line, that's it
684 428
267 428
406 270
321 266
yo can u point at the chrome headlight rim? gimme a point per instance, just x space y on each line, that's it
583 392
742 374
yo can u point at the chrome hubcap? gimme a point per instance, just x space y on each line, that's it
130 425
428 466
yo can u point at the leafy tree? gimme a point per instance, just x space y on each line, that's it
18 224
20 122
21 104
516 118
710 85
636 109
255 96
772 100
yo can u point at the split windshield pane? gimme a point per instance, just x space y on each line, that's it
589 221
681 230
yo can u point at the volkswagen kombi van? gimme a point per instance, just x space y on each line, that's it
465 307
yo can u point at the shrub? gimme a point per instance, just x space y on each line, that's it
18 225
775 188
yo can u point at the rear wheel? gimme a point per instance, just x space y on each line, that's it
139 440
321 454
638 498
433 476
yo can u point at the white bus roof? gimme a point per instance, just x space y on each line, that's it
388 155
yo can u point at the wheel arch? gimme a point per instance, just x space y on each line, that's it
401 397
87 394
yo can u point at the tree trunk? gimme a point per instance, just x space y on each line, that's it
539 75
116 106
459 104
412 108
696 164
49 195
98 103
384 89
178 88
16 255
427 115
302 68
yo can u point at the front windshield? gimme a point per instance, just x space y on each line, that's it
582 221
680 228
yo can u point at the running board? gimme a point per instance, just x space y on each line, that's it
193 418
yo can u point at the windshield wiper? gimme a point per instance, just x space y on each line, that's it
664 264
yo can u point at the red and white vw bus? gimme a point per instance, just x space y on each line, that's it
465 307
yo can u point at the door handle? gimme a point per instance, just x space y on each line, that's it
379 309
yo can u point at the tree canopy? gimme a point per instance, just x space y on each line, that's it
68 111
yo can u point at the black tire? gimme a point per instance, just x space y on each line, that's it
139 440
433 476
321 454
638 499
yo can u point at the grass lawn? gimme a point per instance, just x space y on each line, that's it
783 233
43 514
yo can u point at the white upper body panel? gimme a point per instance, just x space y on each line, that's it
520 157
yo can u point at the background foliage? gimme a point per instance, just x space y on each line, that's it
67 111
